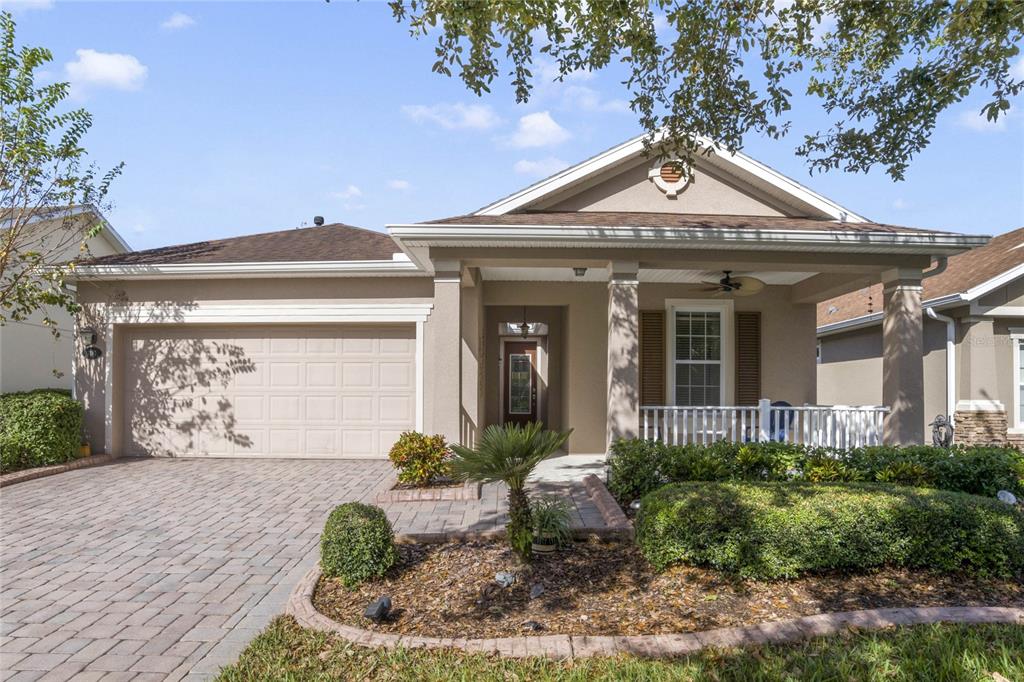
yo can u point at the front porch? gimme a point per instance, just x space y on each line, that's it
627 332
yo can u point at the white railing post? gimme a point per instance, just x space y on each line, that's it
764 411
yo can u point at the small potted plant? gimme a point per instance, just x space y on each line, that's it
550 524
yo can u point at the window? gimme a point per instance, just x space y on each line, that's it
700 353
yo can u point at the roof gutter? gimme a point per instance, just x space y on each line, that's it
226 270
653 237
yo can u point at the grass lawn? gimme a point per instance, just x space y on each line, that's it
930 652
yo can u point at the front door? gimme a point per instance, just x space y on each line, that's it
520 399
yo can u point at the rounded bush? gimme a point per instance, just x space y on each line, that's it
38 428
420 458
357 544
782 530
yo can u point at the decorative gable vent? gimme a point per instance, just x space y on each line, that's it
671 177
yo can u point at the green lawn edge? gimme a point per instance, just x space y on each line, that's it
285 651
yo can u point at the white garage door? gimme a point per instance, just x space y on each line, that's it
316 391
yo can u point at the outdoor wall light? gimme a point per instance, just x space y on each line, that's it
88 336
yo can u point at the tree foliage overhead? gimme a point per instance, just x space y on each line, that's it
882 70
49 196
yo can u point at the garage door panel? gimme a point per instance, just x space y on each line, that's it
278 391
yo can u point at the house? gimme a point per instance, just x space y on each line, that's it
30 355
621 296
973 335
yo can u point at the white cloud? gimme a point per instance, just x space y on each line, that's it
350 192
974 120
16 5
177 21
540 168
92 70
538 130
899 203
1017 70
456 116
548 72
399 184
588 99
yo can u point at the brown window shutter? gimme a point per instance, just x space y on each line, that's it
652 357
748 358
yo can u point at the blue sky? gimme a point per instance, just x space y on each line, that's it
234 118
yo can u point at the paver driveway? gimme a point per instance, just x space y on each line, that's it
160 568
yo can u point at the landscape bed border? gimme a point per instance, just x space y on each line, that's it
300 606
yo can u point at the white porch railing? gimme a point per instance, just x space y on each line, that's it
835 426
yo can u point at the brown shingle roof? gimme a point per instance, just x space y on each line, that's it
335 242
963 272
675 220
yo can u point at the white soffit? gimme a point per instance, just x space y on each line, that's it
650 275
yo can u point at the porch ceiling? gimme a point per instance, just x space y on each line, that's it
652 275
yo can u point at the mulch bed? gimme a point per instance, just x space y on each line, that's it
606 588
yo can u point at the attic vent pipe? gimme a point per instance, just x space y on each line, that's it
318 220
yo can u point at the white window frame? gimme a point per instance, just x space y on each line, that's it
726 309
1016 424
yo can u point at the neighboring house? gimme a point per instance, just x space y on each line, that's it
976 307
30 355
581 301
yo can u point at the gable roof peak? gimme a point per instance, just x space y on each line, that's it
739 165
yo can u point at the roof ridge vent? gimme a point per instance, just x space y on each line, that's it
318 220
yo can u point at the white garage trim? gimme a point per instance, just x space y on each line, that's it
276 313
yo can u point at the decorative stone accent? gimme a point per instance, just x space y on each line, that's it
456 493
611 512
300 606
981 427
41 472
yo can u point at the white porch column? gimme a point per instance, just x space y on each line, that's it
903 357
623 351
443 350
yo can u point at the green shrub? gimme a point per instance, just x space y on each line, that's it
637 467
38 428
634 468
782 530
420 458
357 544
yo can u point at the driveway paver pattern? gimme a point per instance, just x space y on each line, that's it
166 568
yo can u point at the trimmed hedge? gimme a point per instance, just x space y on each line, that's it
637 467
782 530
38 428
357 544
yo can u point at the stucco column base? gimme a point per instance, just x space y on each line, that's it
903 358
623 352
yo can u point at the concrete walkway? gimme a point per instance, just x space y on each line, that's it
165 569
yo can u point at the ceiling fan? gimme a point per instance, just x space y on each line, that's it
737 286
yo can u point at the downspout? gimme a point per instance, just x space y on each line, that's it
940 267
950 360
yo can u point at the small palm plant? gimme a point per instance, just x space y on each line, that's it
509 454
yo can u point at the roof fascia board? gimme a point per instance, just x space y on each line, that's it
990 285
294 269
81 209
635 147
592 235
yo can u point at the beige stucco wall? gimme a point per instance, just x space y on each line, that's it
30 356
850 372
632 190
171 295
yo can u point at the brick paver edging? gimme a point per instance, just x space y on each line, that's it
300 606
456 493
610 510
41 472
